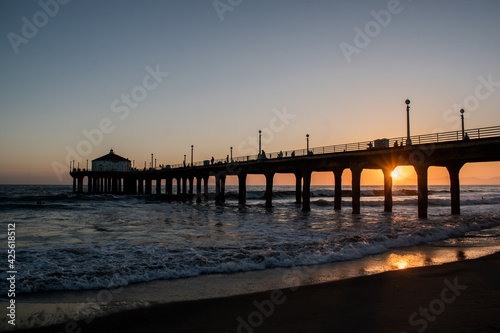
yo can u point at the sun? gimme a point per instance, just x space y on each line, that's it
395 173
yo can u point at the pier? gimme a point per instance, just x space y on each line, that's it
447 149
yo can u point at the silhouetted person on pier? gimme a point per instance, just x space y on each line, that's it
263 154
466 136
292 154
396 143
370 145
212 160
227 159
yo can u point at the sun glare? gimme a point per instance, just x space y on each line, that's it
395 173
396 261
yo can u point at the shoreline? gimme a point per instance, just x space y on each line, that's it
388 302
47 308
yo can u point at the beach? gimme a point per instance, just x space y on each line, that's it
104 263
462 296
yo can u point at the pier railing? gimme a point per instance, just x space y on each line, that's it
470 134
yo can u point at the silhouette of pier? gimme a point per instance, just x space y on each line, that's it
448 149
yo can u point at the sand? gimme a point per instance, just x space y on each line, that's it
461 296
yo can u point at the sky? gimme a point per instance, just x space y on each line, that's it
78 78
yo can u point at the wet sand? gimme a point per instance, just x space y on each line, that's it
462 296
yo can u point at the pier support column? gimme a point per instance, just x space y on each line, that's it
242 188
179 188
387 190
80 185
306 192
191 185
454 171
158 186
217 190
356 189
269 189
168 186
223 188
205 187
114 185
220 189
133 184
337 175
198 188
127 188
140 186
148 186
74 184
423 191
89 184
298 187
184 188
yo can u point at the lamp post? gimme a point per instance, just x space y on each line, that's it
184 162
231 154
462 111
260 142
151 161
192 155
408 139
307 137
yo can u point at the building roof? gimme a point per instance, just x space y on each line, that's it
111 157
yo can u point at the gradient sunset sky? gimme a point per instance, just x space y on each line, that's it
339 70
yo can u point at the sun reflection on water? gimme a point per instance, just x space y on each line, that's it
395 261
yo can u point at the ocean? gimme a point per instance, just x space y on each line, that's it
69 242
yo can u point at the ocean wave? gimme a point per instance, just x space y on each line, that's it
114 264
